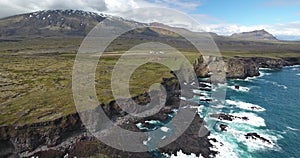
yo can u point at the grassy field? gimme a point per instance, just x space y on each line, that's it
35 77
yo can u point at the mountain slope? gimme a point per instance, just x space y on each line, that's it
54 23
254 35
75 23
50 23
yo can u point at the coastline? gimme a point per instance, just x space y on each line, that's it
62 136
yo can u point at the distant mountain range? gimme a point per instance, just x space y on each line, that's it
52 23
254 35
76 23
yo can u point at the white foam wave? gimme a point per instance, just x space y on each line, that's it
153 122
206 83
265 69
192 84
249 79
224 149
218 86
196 91
254 144
293 66
264 73
252 119
261 74
236 133
180 154
298 74
145 142
292 129
183 98
240 88
200 110
165 129
246 106
275 84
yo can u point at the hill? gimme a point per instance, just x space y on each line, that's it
49 23
254 35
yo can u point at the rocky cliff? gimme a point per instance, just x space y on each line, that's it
242 67
68 135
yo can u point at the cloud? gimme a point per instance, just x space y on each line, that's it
12 7
179 4
282 31
115 7
202 22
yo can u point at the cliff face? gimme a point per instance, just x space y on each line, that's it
68 135
21 140
242 67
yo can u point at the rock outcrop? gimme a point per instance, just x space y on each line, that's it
290 61
257 136
190 142
241 67
69 136
201 67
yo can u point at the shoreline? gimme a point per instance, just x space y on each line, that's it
43 138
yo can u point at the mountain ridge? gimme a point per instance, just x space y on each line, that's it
255 35
49 23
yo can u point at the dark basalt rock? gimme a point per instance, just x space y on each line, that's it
206 100
95 147
6 148
190 142
227 117
256 136
202 85
255 108
290 61
269 63
50 153
223 117
223 127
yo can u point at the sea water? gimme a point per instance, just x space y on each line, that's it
275 96
271 102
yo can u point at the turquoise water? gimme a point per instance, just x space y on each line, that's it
279 93
276 92
271 102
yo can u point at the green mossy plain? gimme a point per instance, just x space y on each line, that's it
36 74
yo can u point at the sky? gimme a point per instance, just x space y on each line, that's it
224 17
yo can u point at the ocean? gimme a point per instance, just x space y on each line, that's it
276 94
271 104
